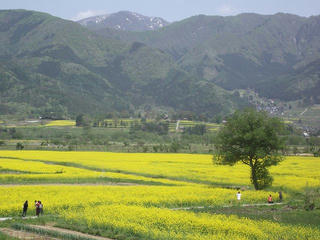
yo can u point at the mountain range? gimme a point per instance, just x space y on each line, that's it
124 21
243 51
51 65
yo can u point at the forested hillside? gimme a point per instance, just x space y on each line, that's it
261 52
57 68
51 66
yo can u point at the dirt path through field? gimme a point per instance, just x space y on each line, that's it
304 111
228 206
25 235
10 218
70 232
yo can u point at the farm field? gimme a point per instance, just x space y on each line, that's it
188 123
38 123
107 123
293 174
156 196
59 123
306 116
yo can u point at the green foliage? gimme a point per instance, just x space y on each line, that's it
290 86
244 51
58 69
262 178
6 237
158 127
82 121
175 146
19 146
161 128
198 129
316 153
311 198
252 138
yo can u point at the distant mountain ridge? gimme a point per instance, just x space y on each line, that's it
244 51
57 68
51 65
125 21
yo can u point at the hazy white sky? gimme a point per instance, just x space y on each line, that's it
171 10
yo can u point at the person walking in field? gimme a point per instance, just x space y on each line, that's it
280 196
270 199
40 208
239 196
37 204
25 208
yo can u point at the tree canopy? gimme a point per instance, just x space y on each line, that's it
82 121
252 138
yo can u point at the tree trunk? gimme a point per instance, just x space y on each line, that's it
254 176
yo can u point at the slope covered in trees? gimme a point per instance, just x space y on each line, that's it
51 65
243 51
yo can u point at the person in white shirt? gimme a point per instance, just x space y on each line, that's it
239 196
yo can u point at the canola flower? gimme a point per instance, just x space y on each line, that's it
68 196
159 223
145 211
297 172
20 171
61 123
28 167
293 173
185 167
16 170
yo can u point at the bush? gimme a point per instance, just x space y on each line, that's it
174 147
82 121
161 128
19 146
317 153
199 129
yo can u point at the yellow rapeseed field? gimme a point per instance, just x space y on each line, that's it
159 223
61 123
293 173
22 171
155 209
57 198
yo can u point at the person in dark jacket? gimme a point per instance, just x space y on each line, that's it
280 196
37 208
25 208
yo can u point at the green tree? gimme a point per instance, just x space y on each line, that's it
198 129
19 146
174 146
252 138
82 121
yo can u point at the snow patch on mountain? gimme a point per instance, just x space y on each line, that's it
124 20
